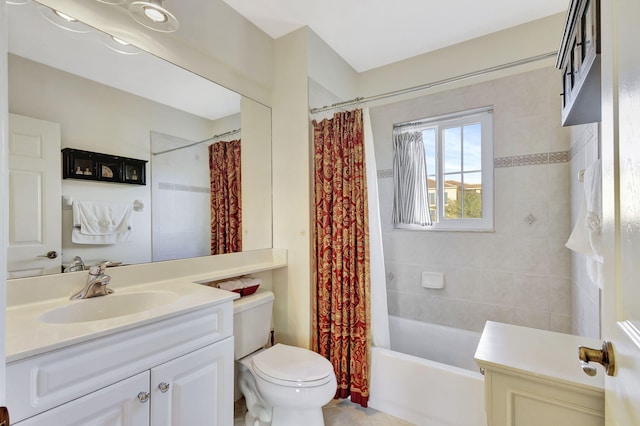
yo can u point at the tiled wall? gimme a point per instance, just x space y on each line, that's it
585 294
180 195
519 274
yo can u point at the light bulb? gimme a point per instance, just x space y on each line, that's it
154 14
65 17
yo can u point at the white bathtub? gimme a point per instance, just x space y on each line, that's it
429 377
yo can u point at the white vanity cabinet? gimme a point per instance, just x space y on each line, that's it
114 405
533 377
176 371
194 389
189 390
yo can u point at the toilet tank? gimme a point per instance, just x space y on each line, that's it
252 322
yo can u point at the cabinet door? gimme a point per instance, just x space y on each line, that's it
195 389
115 405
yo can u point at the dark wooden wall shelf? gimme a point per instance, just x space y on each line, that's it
87 165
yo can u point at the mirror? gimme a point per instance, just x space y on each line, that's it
130 103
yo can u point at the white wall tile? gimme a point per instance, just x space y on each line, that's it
520 273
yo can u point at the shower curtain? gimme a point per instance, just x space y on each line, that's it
342 323
226 199
379 310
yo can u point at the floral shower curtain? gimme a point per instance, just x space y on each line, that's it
226 208
341 308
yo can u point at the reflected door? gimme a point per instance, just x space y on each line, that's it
34 197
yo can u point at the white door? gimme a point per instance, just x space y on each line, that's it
621 313
115 405
35 208
195 389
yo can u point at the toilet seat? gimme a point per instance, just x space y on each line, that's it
291 366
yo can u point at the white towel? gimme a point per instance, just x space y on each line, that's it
231 285
586 237
593 196
100 223
250 281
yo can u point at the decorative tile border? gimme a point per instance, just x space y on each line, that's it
385 173
532 159
515 161
180 187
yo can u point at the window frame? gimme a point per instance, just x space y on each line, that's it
459 119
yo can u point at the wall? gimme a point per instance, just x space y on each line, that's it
291 186
4 188
520 273
255 122
88 121
585 293
512 44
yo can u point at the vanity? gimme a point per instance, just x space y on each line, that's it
533 377
155 352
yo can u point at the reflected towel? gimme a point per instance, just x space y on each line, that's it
100 223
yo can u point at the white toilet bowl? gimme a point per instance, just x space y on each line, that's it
286 386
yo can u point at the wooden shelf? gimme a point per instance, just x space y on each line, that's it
87 165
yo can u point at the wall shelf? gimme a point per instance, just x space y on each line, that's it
579 60
87 165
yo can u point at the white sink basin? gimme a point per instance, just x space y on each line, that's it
105 307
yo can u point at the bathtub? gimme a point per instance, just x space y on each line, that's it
429 376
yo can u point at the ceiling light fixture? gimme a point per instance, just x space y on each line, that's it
18 2
62 20
152 15
111 1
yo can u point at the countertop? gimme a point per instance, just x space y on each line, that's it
538 353
27 335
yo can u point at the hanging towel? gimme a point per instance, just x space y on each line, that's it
586 237
100 223
593 197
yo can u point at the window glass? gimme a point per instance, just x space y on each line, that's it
458 152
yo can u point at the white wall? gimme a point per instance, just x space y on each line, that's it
520 273
4 188
291 189
523 41
256 175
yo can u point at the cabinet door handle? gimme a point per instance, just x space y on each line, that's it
143 396
163 387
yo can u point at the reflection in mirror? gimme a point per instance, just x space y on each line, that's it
69 90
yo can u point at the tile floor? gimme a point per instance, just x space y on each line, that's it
339 413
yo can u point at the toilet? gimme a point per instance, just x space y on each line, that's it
282 385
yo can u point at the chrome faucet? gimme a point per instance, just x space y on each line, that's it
77 264
96 284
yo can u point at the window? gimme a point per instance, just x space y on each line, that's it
458 175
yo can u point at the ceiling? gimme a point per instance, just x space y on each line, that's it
86 54
372 33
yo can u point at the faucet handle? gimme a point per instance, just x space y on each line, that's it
99 269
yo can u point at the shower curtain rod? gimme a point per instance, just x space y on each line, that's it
230 132
435 83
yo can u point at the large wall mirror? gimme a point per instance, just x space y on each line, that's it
78 88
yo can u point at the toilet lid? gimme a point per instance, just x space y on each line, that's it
292 364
